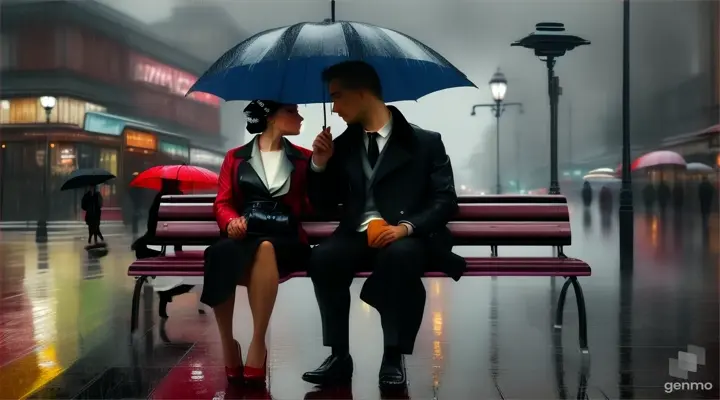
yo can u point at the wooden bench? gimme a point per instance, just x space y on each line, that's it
492 221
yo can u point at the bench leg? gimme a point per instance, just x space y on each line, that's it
134 315
493 251
561 305
582 315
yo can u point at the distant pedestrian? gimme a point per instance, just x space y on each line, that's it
649 197
92 203
707 195
664 196
587 194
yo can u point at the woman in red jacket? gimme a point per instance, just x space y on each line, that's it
261 198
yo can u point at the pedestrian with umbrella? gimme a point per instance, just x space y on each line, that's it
169 180
92 203
92 200
381 156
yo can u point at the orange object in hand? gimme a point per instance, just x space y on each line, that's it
375 228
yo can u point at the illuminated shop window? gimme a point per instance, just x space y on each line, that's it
29 111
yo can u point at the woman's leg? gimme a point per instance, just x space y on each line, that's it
262 287
90 233
224 318
97 229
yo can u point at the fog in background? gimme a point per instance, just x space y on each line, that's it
672 77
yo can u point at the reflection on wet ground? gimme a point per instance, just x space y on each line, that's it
64 327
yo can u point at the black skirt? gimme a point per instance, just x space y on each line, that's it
228 260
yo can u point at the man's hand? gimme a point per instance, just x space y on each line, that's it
322 148
389 235
237 228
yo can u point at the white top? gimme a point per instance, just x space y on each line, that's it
271 166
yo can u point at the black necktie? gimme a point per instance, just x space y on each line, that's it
373 150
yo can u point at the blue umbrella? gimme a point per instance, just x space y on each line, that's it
285 64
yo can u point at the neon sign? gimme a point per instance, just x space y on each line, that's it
177 82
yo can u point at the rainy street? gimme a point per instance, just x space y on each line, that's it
65 326
264 156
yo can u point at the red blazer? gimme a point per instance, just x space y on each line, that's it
230 198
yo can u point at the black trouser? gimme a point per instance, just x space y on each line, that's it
395 287
94 231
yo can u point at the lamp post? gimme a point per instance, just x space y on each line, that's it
41 232
498 88
550 42
627 231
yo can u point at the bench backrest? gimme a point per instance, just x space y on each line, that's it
481 220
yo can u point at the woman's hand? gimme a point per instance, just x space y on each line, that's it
237 228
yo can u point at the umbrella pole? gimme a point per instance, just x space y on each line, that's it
324 116
332 19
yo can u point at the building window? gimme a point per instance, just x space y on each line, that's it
7 54
29 111
23 111
4 111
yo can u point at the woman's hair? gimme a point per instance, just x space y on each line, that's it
257 113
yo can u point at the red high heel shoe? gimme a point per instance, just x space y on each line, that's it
235 374
254 374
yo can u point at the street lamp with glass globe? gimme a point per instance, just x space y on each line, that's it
41 234
48 103
498 86
498 89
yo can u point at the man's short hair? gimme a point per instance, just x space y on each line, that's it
355 75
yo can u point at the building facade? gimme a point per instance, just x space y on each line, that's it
96 62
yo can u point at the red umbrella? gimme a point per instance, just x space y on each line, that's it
656 159
190 177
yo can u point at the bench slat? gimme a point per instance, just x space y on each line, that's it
543 233
467 212
477 266
493 198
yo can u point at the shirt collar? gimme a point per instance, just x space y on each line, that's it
386 129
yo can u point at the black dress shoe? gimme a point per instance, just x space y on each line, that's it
166 296
335 370
392 373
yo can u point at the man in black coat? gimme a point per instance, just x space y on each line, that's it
92 203
381 167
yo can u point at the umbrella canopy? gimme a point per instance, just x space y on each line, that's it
190 177
656 159
600 178
606 171
285 64
83 178
699 167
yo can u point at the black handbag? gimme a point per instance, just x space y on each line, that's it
268 218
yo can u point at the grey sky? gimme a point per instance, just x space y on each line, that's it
476 37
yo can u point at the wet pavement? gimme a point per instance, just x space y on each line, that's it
64 327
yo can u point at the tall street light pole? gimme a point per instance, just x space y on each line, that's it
549 41
498 89
41 232
627 231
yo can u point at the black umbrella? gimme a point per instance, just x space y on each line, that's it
83 178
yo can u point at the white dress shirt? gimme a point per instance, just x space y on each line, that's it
382 139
